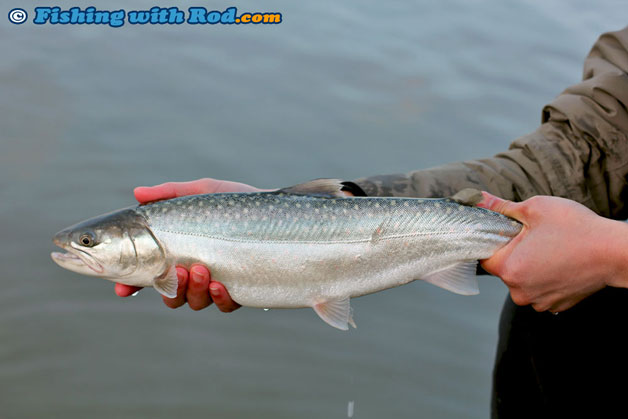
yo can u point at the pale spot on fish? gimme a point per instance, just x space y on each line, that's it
393 202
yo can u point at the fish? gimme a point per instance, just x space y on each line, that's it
308 245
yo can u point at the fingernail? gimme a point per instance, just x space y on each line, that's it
214 290
198 273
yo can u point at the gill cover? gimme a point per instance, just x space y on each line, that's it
118 246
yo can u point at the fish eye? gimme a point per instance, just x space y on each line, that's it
86 240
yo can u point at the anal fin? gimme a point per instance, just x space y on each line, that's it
459 278
168 283
336 313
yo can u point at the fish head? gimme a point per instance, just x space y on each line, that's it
117 246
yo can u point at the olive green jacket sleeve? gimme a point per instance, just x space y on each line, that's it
579 152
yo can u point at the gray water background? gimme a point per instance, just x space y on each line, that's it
339 89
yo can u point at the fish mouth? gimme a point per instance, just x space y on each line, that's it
75 259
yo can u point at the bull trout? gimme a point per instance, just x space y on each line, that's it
304 246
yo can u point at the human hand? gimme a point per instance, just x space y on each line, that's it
195 287
564 253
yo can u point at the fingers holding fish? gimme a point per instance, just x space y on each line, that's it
199 291
169 190
221 297
125 290
197 294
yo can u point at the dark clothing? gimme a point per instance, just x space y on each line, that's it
573 364
550 365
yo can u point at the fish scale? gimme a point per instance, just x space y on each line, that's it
308 245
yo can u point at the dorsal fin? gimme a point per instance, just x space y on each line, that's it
321 187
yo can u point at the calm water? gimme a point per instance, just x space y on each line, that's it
340 89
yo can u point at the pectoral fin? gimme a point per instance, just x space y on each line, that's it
459 278
336 313
168 283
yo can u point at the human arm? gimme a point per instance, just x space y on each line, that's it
579 152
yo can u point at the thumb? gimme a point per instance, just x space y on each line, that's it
503 206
